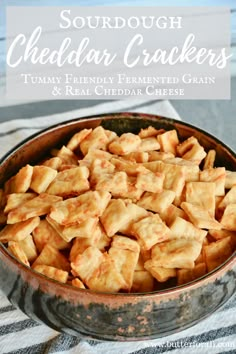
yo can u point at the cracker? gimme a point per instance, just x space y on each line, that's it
143 282
19 183
70 182
17 251
41 178
37 206
137 156
168 141
149 231
52 272
228 220
84 229
77 283
149 144
229 198
18 231
28 246
157 202
50 256
159 273
149 132
159 156
182 229
97 139
200 217
216 175
179 253
53 162
44 234
116 183
150 182
77 138
209 160
14 200
125 144
201 194
115 216
66 155
186 275
75 210
230 179
217 253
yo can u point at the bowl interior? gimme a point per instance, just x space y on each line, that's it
36 147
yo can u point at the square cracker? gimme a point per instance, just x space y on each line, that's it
149 131
181 228
201 194
159 273
200 217
97 270
135 213
143 282
53 162
209 160
83 229
228 220
217 252
52 257
28 246
77 209
137 156
168 141
44 234
41 178
229 198
66 155
216 175
157 202
116 183
125 253
14 200
115 216
125 144
150 181
97 239
149 231
196 154
171 213
18 231
230 179
37 206
159 156
77 138
52 272
17 251
186 275
19 183
97 139
149 144
70 182
77 283
179 253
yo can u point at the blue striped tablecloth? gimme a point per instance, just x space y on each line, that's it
21 335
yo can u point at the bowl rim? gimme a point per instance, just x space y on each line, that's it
231 261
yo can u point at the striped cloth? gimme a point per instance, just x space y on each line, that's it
21 335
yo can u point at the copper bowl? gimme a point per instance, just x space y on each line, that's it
104 316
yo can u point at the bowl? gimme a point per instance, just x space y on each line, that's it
113 316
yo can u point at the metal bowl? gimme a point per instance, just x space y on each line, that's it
112 316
